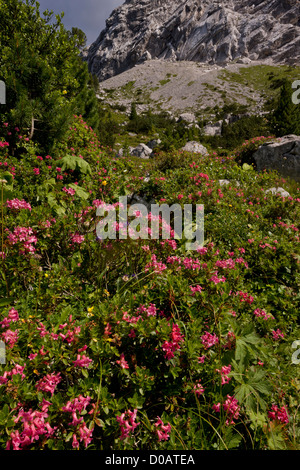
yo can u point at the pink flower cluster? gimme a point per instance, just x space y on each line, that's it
245 297
196 289
34 426
259 313
157 266
16 370
79 404
216 280
231 407
18 204
150 311
76 238
169 347
10 337
278 414
49 383
23 235
277 334
127 423
13 316
208 340
69 191
225 370
162 430
122 362
82 361
69 335
198 389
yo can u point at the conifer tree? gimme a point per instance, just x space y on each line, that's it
46 80
285 118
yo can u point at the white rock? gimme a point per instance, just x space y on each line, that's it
282 192
194 147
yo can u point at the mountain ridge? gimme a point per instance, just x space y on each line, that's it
209 32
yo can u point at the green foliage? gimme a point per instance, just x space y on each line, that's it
285 118
46 80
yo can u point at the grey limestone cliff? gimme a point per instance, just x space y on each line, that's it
212 32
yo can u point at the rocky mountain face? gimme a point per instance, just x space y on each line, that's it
211 32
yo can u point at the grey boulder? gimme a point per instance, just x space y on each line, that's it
282 155
194 147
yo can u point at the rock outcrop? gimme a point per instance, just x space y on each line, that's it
212 32
194 147
282 156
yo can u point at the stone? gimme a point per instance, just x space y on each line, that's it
213 129
226 182
282 155
282 192
194 147
121 152
141 151
187 117
210 32
154 143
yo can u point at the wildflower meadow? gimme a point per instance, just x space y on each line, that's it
139 344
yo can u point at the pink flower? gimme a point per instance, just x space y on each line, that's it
259 313
49 383
127 425
69 191
277 334
76 238
163 430
201 359
198 389
10 337
82 361
196 289
215 279
34 426
13 316
122 362
208 340
36 171
231 407
278 414
18 204
169 347
224 374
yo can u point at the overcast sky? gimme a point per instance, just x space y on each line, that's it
88 15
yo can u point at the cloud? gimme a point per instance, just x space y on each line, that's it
88 15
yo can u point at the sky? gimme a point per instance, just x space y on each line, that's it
88 15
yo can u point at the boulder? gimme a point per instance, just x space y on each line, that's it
153 143
282 155
213 129
282 192
121 152
141 151
187 117
194 147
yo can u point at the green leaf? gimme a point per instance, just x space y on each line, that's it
70 162
6 301
80 192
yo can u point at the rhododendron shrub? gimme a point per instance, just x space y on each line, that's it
139 344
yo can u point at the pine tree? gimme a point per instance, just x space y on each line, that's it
285 119
46 80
